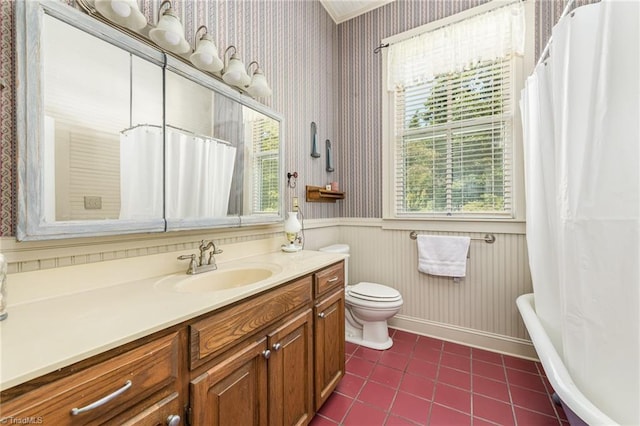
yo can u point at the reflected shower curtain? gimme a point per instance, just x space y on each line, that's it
141 173
199 173
581 134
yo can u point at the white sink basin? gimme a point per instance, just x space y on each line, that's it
223 278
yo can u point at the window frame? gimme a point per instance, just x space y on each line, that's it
521 67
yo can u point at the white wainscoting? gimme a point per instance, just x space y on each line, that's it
479 310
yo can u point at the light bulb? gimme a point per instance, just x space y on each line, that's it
206 55
172 38
259 87
121 8
122 12
234 74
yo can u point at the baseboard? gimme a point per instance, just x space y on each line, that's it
478 339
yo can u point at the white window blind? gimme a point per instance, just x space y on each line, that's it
453 136
265 143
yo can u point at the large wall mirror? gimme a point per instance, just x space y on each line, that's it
116 137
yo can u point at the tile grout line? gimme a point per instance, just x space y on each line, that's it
508 382
409 354
435 384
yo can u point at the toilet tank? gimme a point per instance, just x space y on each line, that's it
342 249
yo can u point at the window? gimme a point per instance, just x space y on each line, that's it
452 113
265 143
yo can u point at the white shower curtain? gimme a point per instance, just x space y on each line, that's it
141 173
582 159
198 175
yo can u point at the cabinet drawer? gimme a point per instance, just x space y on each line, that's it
213 335
128 379
157 414
329 278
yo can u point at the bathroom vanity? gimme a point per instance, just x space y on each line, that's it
270 352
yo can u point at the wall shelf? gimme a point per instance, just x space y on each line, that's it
319 194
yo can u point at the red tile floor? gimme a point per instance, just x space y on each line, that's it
425 381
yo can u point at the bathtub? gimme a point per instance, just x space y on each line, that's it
579 410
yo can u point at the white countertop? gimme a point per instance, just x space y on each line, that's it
43 334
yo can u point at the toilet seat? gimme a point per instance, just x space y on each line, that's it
373 292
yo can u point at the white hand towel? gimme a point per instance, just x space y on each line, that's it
443 255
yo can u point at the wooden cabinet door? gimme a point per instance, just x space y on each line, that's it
291 372
234 391
329 345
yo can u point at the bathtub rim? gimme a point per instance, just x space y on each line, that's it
554 367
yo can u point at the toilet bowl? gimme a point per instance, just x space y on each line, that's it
368 306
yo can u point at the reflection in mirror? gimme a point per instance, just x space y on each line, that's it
115 136
222 161
261 164
204 137
89 146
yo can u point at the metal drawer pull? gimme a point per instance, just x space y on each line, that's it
321 315
173 420
277 346
332 280
102 401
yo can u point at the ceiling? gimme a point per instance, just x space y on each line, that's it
343 10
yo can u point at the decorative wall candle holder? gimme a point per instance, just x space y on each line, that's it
314 140
329 156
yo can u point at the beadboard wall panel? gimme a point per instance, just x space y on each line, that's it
38 255
484 300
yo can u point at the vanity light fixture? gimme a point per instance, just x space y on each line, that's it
234 73
169 33
206 55
122 12
259 88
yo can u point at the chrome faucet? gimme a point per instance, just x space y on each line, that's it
202 264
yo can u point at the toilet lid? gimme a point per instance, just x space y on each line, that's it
373 291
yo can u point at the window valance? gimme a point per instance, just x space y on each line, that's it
452 48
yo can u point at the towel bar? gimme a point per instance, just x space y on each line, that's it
488 238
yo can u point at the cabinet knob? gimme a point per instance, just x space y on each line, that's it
266 354
173 420
321 315
276 347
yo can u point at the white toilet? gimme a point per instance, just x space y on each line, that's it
368 307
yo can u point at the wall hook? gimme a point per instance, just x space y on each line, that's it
290 183
379 48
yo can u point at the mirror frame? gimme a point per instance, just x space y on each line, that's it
29 16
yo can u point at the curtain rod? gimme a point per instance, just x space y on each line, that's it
184 131
548 45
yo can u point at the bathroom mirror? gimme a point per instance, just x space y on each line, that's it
116 137
232 149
